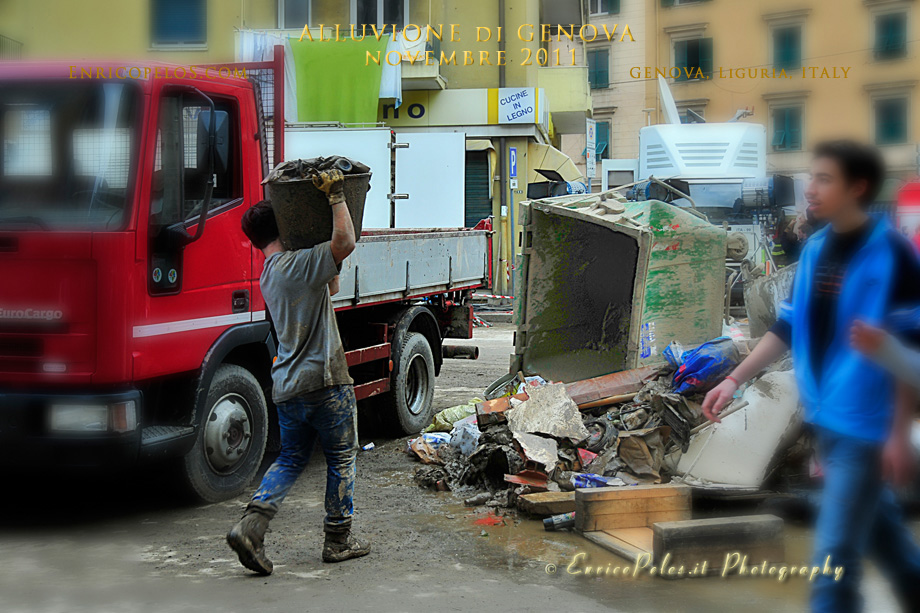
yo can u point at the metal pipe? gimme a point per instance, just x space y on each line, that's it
460 352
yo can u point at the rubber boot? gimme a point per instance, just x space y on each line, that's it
341 546
247 537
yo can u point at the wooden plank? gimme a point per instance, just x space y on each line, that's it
616 545
635 505
631 491
614 384
759 537
609 508
640 538
547 503
629 520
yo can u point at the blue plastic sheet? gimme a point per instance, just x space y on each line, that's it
703 368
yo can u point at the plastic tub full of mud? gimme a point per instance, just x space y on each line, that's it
303 213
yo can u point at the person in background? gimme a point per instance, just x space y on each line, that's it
855 268
311 387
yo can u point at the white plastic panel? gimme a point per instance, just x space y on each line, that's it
703 150
431 170
367 146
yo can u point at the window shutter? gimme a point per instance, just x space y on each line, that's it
667 3
179 21
706 56
603 68
794 127
603 138
779 128
612 6
680 59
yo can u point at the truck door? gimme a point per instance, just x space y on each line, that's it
194 291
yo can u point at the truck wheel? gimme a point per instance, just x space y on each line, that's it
231 436
409 401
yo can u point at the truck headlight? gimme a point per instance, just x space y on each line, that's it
116 417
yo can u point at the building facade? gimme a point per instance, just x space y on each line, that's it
808 70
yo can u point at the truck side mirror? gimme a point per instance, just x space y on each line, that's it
221 141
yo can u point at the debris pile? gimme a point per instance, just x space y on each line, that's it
640 426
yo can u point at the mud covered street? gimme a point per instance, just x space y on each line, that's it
122 544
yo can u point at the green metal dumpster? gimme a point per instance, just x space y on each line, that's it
605 285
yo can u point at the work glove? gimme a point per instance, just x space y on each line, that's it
332 183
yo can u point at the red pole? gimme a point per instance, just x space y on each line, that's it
278 62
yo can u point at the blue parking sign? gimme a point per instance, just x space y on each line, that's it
512 161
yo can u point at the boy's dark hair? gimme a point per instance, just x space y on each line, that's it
259 224
858 162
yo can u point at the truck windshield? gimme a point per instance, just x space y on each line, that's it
68 152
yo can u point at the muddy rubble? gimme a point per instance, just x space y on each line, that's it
641 426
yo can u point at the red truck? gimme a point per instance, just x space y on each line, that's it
132 328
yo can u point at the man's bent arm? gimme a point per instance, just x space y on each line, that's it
767 351
343 230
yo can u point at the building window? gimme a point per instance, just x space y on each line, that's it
891 121
692 115
601 141
787 129
179 22
604 7
295 14
679 2
692 57
890 36
787 48
379 13
599 68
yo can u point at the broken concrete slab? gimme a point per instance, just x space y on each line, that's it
549 410
538 449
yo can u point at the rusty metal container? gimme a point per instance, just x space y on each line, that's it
303 212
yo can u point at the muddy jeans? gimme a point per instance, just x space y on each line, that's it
329 415
859 515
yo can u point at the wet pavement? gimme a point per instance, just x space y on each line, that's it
125 544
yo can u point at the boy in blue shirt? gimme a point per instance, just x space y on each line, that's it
856 268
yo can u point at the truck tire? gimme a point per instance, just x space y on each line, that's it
231 436
409 401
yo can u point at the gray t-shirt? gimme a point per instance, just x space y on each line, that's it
310 354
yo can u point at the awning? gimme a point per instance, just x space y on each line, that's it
481 144
547 157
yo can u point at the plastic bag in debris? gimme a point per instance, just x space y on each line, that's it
674 354
581 480
705 366
465 435
445 420
426 446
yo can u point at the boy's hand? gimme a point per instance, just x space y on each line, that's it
717 398
331 183
898 461
866 339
